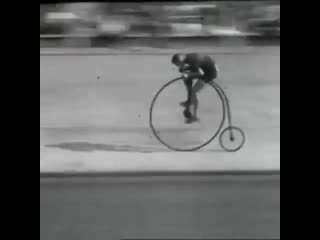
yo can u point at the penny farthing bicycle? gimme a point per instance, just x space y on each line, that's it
231 138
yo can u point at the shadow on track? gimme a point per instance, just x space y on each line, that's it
92 147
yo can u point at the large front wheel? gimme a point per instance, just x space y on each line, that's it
167 121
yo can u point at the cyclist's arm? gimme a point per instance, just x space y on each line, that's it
194 74
185 68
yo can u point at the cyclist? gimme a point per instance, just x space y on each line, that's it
199 67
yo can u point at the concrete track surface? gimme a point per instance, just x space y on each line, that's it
185 207
94 117
94 108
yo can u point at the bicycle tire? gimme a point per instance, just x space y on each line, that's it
186 149
223 145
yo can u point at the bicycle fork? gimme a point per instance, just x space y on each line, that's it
226 104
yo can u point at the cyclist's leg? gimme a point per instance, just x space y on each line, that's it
188 83
200 84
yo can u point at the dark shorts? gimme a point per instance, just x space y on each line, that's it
206 78
210 76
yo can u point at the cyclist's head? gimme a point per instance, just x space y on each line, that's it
177 59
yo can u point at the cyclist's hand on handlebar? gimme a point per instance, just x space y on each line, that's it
185 75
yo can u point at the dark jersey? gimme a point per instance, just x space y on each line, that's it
196 62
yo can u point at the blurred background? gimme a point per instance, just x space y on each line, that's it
102 24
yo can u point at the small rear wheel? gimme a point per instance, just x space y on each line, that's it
232 139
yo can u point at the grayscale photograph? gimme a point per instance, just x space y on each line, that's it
160 120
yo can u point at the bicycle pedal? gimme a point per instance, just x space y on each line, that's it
188 121
187 114
192 120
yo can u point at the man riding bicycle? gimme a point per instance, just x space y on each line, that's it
194 66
